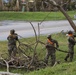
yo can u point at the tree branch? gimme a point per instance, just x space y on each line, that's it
52 2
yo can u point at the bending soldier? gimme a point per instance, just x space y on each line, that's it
71 43
50 46
12 39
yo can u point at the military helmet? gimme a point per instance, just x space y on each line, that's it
70 32
12 31
49 36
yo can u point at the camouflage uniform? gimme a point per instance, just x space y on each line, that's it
71 43
12 38
50 46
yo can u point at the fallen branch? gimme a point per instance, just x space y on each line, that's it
6 64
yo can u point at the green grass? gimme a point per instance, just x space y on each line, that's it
63 68
35 16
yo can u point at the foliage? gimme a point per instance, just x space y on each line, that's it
9 4
71 6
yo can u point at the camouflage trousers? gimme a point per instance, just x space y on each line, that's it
12 50
71 54
52 55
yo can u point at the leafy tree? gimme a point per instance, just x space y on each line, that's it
9 4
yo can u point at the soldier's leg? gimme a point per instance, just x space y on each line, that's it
47 57
10 51
72 53
14 51
53 58
67 56
71 56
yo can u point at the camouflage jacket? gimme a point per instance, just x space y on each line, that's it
71 40
12 39
51 44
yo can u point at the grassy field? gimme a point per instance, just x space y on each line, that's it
35 16
62 68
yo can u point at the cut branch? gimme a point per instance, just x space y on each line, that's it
34 30
6 64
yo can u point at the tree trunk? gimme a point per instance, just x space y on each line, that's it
42 6
64 13
68 18
0 4
17 5
35 5
27 8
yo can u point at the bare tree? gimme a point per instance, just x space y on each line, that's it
52 2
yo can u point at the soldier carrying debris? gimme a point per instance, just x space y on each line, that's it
50 46
12 39
71 43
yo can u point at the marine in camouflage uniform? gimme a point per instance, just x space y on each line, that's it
71 43
50 46
12 39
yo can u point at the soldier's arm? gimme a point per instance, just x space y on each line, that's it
17 37
57 45
8 37
74 35
71 39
